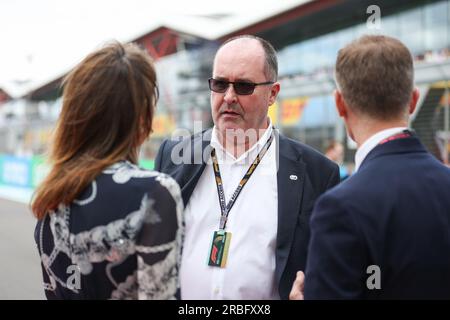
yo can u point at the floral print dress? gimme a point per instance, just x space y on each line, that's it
121 239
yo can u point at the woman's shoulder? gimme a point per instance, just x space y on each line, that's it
126 175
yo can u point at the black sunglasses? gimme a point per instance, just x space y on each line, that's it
240 87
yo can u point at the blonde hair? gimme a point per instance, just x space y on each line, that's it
375 75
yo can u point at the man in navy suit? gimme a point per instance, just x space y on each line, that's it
384 233
247 216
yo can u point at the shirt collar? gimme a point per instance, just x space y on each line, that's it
372 142
223 155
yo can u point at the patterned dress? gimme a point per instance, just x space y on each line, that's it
121 239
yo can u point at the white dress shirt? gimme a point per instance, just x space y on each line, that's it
372 142
250 269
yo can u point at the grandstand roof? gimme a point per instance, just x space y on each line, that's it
208 27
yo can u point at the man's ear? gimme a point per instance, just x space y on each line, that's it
340 104
414 99
274 93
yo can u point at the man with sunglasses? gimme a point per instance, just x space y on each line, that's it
248 201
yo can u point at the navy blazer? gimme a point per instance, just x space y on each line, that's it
315 174
393 213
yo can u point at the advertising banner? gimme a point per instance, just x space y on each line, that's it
291 110
16 171
39 170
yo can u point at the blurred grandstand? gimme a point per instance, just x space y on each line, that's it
307 37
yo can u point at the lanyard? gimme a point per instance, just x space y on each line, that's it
401 135
225 210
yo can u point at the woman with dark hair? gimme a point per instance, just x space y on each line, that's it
106 228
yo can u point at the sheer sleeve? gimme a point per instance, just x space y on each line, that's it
158 244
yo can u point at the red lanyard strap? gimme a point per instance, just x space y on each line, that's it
401 135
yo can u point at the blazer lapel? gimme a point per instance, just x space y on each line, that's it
193 172
290 182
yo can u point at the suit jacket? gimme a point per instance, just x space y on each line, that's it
315 174
394 213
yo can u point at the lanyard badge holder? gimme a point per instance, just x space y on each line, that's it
218 253
219 249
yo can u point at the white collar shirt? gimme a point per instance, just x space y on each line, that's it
252 221
372 142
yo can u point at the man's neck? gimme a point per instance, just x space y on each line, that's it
239 142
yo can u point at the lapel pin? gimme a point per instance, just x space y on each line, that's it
293 177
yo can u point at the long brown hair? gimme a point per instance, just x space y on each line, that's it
107 112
